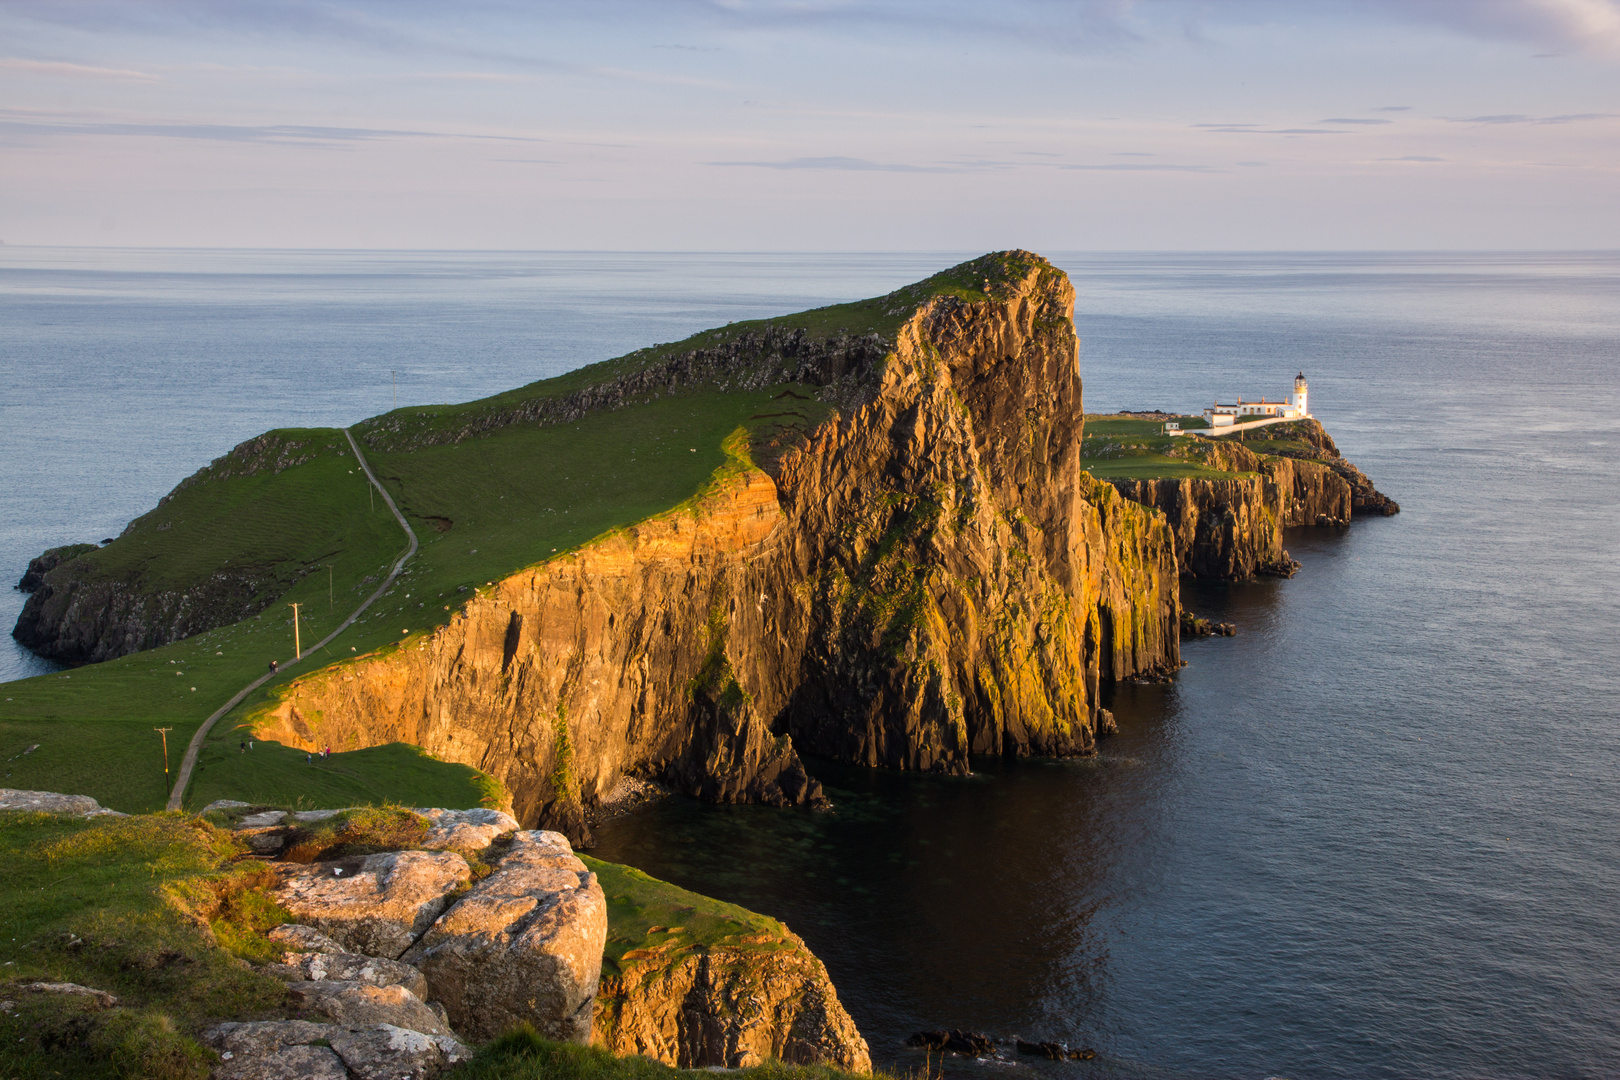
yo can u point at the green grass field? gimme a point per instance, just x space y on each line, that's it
1121 448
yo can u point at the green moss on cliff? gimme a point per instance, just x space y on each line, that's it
649 918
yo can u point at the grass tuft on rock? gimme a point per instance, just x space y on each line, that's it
364 830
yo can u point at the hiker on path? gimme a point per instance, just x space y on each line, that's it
273 667
242 749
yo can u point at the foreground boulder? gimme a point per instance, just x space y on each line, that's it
339 966
523 945
464 830
375 904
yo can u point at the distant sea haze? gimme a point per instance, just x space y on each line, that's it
1377 834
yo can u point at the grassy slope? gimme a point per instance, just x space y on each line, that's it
94 725
646 913
1123 449
90 902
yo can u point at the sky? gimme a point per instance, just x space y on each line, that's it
810 125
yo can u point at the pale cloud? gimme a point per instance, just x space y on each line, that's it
1520 118
62 69
842 164
1584 26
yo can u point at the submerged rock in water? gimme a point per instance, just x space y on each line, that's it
955 1041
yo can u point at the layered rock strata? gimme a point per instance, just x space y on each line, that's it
1233 528
925 575
728 1006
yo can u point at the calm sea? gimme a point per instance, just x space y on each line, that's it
1377 834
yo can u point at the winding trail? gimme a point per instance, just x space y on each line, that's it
194 748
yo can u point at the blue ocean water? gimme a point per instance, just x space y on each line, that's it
1377 834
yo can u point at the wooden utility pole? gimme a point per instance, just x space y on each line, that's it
164 731
298 651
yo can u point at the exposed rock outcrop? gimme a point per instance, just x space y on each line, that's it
301 1050
926 574
729 1006
694 982
49 802
338 965
361 1004
81 617
524 945
49 560
377 904
1233 529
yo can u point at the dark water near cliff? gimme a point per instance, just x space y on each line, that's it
1375 835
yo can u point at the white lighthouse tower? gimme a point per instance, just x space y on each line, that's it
1297 400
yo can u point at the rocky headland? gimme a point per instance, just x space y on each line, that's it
1232 528
925 574
915 567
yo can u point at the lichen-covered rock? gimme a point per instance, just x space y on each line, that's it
49 802
375 904
274 1050
288 1050
730 1007
523 945
255 1038
385 1052
352 967
296 937
288 1063
465 830
358 1004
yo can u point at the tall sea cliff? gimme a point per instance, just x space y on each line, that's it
924 574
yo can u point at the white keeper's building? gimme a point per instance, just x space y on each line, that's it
1294 408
